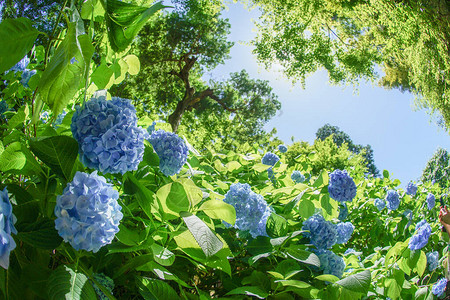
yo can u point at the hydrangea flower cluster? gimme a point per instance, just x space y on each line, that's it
108 136
87 212
297 176
331 263
342 187
438 288
431 201
432 260
270 173
105 281
282 148
411 189
7 220
21 65
26 76
60 118
420 238
252 210
392 200
171 149
344 232
380 204
343 212
323 234
270 159
151 128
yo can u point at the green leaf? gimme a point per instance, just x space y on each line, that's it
161 272
17 36
66 283
359 282
134 66
322 180
295 283
177 199
276 225
385 173
259 167
124 21
304 256
205 238
421 263
153 289
17 119
162 255
193 192
144 195
249 291
40 235
327 277
12 158
421 293
217 209
102 75
306 208
57 152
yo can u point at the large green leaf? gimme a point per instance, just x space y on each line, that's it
66 283
174 197
205 238
304 256
144 196
124 21
61 78
17 36
359 282
276 225
217 209
40 235
153 289
57 152
249 291
12 158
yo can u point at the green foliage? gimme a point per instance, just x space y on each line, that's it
349 39
436 170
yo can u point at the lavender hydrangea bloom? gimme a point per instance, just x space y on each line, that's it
171 149
252 210
420 238
270 173
431 201
323 234
60 118
26 75
106 282
297 176
108 136
21 65
344 232
343 212
7 220
270 159
342 187
282 148
411 189
380 204
438 288
331 263
87 212
432 260
392 200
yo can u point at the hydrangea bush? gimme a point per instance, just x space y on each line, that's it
344 232
420 238
322 234
411 189
87 213
330 263
270 159
7 220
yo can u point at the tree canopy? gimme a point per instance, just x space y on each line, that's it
437 168
409 40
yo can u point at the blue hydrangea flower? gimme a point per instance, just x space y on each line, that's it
252 210
343 212
323 234
106 282
282 148
297 176
87 212
431 201
349 250
108 137
341 187
151 128
7 220
380 204
392 200
344 232
270 173
26 75
21 65
432 260
45 116
411 188
438 288
331 263
60 118
270 159
171 149
420 238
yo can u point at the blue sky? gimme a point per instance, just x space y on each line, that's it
402 139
